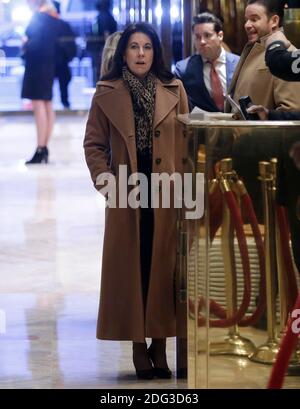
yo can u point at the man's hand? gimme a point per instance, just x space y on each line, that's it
261 111
278 36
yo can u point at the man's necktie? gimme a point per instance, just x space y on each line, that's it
216 87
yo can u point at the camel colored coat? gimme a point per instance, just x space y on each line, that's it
252 77
109 142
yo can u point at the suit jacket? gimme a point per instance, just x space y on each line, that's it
252 77
190 71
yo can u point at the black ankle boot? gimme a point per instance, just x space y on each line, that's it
141 361
159 372
40 156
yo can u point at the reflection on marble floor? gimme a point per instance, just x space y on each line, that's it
50 254
240 371
228 371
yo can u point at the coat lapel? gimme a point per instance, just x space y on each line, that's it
120 114
238 68
165 100
247 49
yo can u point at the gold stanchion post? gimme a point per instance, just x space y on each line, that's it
233 343
267 352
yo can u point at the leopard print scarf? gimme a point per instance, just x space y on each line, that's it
143 101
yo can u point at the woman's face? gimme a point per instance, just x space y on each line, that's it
139 54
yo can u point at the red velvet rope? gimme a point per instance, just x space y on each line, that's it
217 309
247 204
287 346
215 222
238 225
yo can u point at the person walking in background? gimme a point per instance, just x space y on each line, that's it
104 25
66 51
132 123
177 41
109 52
39 53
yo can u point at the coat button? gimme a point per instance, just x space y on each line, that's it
157 161
184 161
184 134
157 134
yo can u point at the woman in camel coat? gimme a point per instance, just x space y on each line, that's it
132 123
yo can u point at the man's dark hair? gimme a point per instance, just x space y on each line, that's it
158 66
273 8
103 5
208 18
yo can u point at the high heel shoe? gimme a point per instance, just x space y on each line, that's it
138 352
162 373
146 374
40 156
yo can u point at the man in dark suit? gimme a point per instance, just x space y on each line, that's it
207 74
104 25
65 52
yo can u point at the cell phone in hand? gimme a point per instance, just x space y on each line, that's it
245 102
235 107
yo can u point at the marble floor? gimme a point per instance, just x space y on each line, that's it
51 232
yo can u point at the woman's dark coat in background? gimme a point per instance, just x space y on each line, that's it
40 56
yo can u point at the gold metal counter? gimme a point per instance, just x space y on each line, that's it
240 284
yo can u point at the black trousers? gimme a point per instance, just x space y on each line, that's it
146 226
63 74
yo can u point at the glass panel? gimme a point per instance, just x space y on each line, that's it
240 259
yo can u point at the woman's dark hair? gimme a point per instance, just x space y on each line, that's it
158 66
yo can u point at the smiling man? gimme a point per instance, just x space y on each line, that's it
252 77
207 74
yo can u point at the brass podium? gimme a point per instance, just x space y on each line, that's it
240 287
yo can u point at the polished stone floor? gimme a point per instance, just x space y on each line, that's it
50 253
